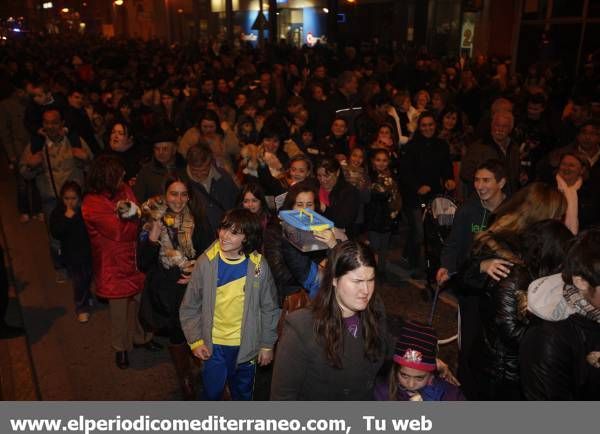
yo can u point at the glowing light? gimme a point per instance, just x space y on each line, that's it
17 30
180 11
326 10
119 2
47 5
82 25
65 10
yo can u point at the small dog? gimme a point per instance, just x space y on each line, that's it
154 209
174 258
127 209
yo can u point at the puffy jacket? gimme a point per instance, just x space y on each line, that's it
502 307
113 243
557 360
503 322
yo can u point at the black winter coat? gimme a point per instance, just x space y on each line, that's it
554 360
150 180
344 200
273 244
162 294
425 162
302 372
72 234
502 305
222 196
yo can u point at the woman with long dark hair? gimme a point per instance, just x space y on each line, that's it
334 349
252 198
167 250
340 201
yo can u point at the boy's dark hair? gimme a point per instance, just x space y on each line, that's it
71 186
583 258
242 221
495 166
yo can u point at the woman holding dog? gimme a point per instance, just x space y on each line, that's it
174 235
111 221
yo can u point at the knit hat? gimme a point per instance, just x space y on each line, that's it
416 347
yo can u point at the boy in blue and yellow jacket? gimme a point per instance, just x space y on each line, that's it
229 312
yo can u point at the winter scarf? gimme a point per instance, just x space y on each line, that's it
580 304
176 234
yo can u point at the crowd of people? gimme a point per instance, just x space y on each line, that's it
160 171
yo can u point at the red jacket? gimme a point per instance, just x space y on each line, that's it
113 243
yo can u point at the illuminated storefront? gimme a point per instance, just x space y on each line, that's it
298 21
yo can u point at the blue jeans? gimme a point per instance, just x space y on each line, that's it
222 368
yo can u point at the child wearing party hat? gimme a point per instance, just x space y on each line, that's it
413 376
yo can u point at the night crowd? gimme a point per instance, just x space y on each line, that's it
159 171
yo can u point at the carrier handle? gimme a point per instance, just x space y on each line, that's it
309 214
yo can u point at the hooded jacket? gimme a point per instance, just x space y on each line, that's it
261 310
